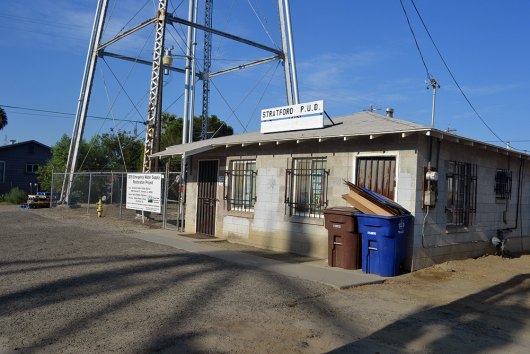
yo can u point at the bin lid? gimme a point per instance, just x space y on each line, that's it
340 210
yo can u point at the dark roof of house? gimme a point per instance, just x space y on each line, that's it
8 146
349 126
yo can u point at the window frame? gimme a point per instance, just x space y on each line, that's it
313 182
240 177
34 168
461 182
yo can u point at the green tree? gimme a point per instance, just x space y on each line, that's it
57 163
172 128
102 153
112 152
122 151
3 118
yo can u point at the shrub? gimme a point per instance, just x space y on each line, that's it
15 196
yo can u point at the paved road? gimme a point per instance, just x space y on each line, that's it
78 286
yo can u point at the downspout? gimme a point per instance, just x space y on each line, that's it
517 209
428 185
519 183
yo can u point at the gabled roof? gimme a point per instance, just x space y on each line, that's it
345 127
24 143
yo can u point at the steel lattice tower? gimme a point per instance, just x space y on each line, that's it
208 12
160 20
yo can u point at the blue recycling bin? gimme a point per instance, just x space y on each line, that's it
384 242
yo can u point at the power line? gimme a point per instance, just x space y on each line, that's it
132 18
429 76
262 24
508 141
67 114
39 21
452 76
122 85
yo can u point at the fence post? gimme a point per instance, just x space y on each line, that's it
89 190
166 189
51 191
111 186
121 194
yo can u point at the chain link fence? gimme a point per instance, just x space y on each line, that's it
111 188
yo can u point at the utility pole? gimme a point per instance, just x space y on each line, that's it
434 85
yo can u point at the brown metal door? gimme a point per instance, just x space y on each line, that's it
377 174
206 200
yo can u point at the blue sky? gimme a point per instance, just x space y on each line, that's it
349 53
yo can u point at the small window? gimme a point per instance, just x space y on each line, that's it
306 192
240 185
461 181
2 171
503 184
31 168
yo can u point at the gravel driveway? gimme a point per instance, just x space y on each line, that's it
85 285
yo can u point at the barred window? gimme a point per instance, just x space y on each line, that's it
461 180
240 185
377 173
306 192
503 184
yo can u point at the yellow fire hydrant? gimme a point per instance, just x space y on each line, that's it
100 208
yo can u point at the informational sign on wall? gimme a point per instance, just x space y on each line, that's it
144 191
309 115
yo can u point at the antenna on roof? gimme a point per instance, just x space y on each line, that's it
371 108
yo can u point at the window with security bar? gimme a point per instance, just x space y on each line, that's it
461 180
306 192
240 185
503 184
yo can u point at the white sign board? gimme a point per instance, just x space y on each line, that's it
144 191
309 115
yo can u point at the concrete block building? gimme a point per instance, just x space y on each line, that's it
270 190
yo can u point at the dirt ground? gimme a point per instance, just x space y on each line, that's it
77 284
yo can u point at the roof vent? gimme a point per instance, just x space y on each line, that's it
13 141
390 112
